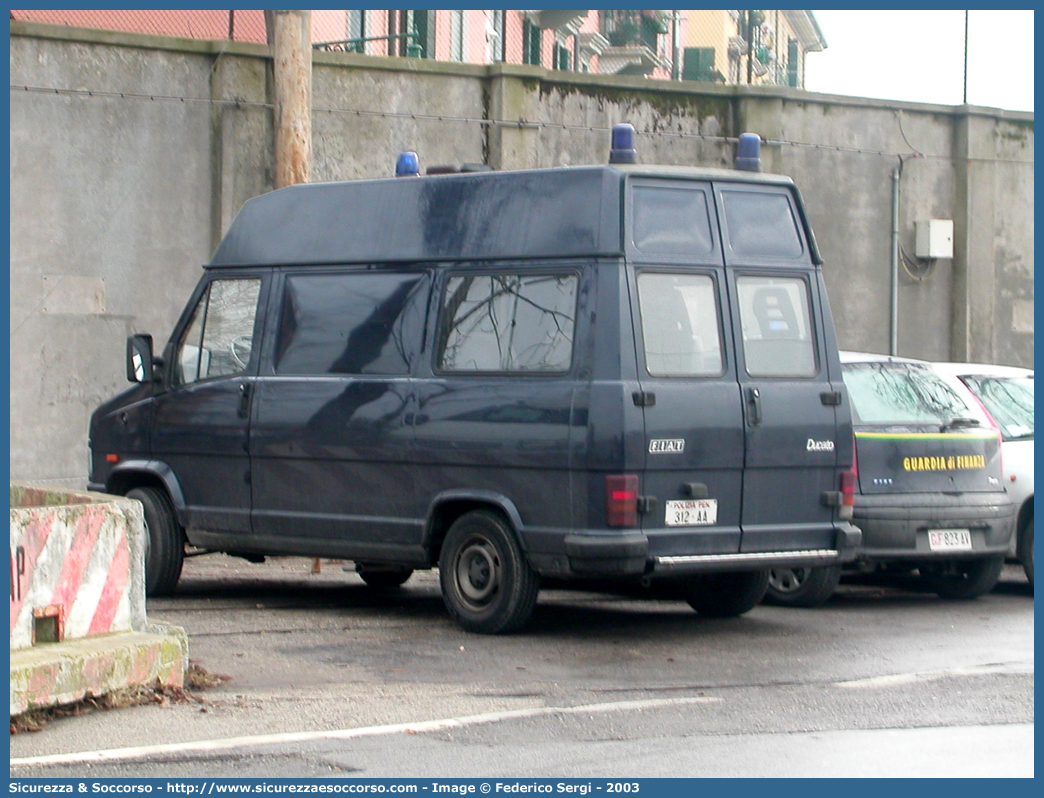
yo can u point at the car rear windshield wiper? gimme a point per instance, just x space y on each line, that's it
960 422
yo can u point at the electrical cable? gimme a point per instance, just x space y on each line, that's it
520 123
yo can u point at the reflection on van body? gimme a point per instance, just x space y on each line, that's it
587 372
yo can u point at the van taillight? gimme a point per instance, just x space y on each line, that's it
848 486
621 500
848 482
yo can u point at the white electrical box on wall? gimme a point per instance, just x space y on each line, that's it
934 238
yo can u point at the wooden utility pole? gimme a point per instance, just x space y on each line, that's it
291 41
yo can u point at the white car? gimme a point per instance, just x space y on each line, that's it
1007 394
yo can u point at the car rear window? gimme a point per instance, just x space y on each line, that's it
1010 402
903 393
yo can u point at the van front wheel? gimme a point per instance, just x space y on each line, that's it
164 542
487 585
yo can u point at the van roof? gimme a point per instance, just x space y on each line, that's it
539 213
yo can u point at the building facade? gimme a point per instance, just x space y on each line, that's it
735 47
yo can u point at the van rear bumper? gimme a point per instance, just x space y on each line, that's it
627 553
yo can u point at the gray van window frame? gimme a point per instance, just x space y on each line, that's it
813 310
808 255
703 186
721 302
520 269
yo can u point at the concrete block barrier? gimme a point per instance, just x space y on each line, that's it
78 622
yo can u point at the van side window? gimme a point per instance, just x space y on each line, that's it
680 325
777 327
507 323
219 338
349 323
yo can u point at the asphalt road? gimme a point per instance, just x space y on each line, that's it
328 678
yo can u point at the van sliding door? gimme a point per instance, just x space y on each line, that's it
331 444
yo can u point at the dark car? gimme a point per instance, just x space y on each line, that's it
929 490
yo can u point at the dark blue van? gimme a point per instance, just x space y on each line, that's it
615 371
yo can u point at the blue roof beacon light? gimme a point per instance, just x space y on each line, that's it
748 152
623 145
408 165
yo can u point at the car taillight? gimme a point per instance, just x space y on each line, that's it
621 500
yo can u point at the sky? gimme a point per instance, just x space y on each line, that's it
918 56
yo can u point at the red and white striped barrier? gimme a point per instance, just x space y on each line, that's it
77 569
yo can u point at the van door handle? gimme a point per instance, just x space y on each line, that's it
244 400
754 404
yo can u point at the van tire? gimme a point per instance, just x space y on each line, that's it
960 580
164 541
487 585
802 587
726 595
1025 548
383 578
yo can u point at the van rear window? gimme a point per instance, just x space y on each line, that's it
777 326
507 323
761 225
680 325
349 323
672 220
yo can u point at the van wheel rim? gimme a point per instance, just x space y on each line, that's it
787 580
478 572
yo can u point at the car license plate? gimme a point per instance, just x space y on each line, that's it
692 512
949 540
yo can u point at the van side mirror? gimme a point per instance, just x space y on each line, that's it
140 365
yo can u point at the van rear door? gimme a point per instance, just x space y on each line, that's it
693 417
739 373
694 437
788 375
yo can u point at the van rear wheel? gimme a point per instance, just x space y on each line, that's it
164 541
726 595
802 587
378 577
963 579
487 585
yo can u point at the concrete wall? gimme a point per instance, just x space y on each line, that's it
130 155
